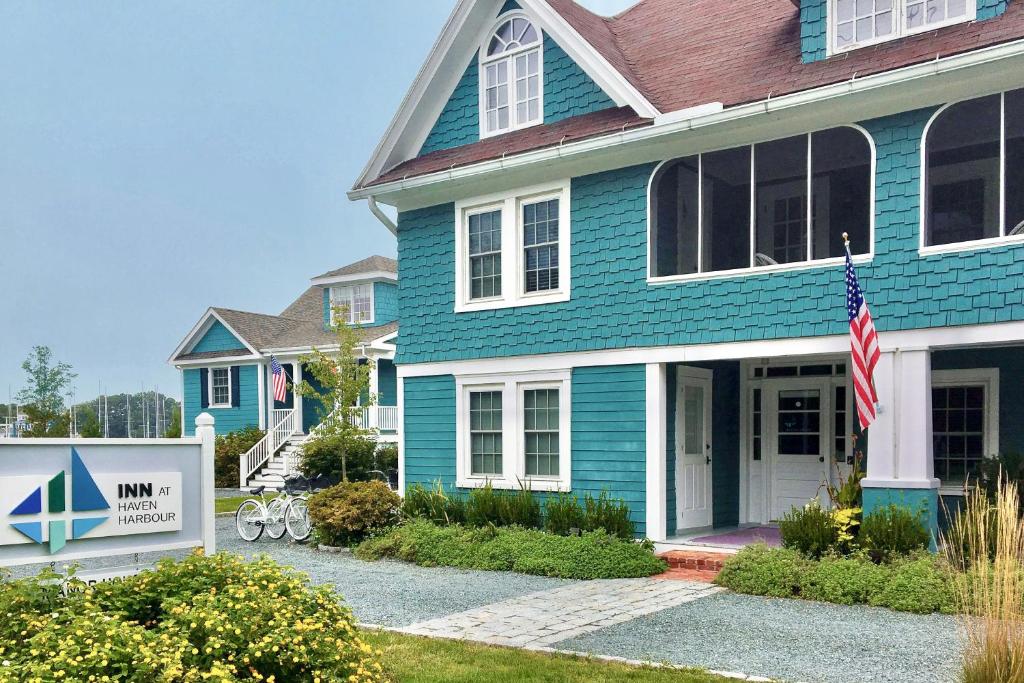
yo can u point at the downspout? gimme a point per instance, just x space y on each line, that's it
381 216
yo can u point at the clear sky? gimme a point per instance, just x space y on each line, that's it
157 158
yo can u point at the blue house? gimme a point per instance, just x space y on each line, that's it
621 254
225 363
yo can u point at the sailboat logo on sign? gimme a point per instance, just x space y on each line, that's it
85 497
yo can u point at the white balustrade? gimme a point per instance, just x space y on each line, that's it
285 424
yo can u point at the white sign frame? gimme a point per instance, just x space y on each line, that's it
190 460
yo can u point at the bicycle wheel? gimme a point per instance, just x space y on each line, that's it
249 520
275 517
296 519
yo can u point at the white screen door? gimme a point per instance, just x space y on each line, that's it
799 432
693 448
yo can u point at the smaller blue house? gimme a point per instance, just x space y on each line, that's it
225 363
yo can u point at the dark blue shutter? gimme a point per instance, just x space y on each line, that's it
234 387
204 388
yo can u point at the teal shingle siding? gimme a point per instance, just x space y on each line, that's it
225 419
814 25
1010 362
459 122
613 306
429 423
568 90
608 433
218 338
385 302
327 307
387 383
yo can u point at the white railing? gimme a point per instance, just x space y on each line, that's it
381 418
285 424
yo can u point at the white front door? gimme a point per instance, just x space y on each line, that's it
798 438
693 448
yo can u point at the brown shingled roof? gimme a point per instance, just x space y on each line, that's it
370 264
685 53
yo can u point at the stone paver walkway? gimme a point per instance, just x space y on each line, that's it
544 618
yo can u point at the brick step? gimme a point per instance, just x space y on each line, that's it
695 560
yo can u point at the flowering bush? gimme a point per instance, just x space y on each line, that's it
351 511
216 618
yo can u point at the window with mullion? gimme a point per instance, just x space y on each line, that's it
540 246
923 13
485 255
220 383
540 432
863 21
958 429
485 433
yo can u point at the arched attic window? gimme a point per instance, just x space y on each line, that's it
974 185
807 191
511 84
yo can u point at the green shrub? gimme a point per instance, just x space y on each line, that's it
611 515
920 583
433 504
322 455
562 514
893 531
842 580
202 618
386 457
349 512
1008 465
227 448
487 507
810 530
760 570
594 555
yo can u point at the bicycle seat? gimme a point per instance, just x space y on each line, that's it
257 491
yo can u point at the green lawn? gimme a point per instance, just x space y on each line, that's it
228 504
411 659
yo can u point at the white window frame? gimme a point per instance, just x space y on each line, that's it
345 295
752 269
924 248
989 379
513 460
900 29
509 57
513 253
210 393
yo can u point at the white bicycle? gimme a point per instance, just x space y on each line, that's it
286 512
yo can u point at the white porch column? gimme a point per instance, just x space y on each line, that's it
297 400
372 416
900 467
261 392
656 466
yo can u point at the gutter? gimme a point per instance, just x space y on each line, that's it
381 216
700 120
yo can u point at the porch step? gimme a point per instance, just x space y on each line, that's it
695 561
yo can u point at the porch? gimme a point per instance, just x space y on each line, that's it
740 442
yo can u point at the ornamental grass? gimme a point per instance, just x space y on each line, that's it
986 543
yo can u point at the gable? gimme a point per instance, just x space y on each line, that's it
218 338
568 92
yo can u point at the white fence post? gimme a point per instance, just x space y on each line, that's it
205 431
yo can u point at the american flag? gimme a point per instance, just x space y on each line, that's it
280 380
863 346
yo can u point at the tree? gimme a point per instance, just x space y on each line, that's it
174 427
343 382
43 395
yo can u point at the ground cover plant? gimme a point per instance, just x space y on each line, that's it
413 659
592 555
215 618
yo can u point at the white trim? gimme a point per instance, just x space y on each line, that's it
334 297
484 60
989 379
446 63
400 435
513 475
216 361
935 338
657 452
656 135
261 400
513 286
969 245
203 326
899 27
357 278
863 257
209 388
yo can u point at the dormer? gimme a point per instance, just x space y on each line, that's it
367 289
833 27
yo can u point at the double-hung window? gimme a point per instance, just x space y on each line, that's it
357 302
514 430
220 387
856 23
511 78
513 249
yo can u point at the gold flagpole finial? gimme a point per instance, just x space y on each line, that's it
846 240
